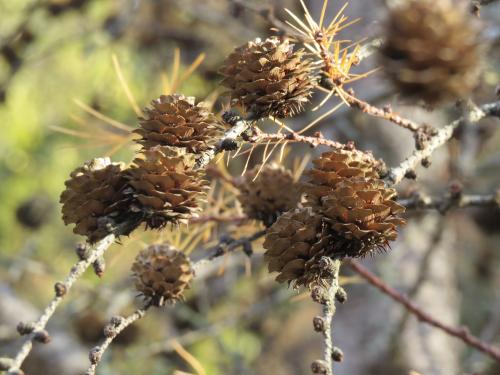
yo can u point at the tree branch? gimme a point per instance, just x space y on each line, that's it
442 136
226 246
37 328
111 331
371 110
228 141
323 324
461 333
420 201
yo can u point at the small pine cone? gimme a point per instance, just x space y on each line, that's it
162 274
92 193
269 78
164 186
273 192
432 51
334 166
294 244
176 121
362 217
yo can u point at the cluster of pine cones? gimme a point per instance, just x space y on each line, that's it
161 186
431 53
346 211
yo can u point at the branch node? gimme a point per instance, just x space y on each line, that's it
341 295
95 355
319 295
25 328
116 320
42 336
82 251
60 289
99 266
320 366
319 324
337 354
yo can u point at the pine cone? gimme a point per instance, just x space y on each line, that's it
164 186
294 245
162 274
92 193
432 51
361 216
175 120
268 78
273 192
334 166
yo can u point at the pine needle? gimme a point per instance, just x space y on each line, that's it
188 357
318 119
101 116
165 83
194 65
175 69
125 86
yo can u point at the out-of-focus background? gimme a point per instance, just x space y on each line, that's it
63 68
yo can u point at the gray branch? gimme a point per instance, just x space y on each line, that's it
116 326
397 174
39 325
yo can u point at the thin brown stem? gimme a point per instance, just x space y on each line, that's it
386 114
461 333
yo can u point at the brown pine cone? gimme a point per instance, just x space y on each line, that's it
362 216
164 186
175 120
432 51
161 274
294 245
91 193
269 78
334 166
273 192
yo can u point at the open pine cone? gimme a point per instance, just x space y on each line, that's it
432 50
176 121
358 210
273 192
91 193
268 78
294 245
362 216
164 186
334 166
161 274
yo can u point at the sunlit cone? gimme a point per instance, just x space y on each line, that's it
432 50
361 216
334 166
176 121
273 192
92 192
269 78
294 244
161 274
164 186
